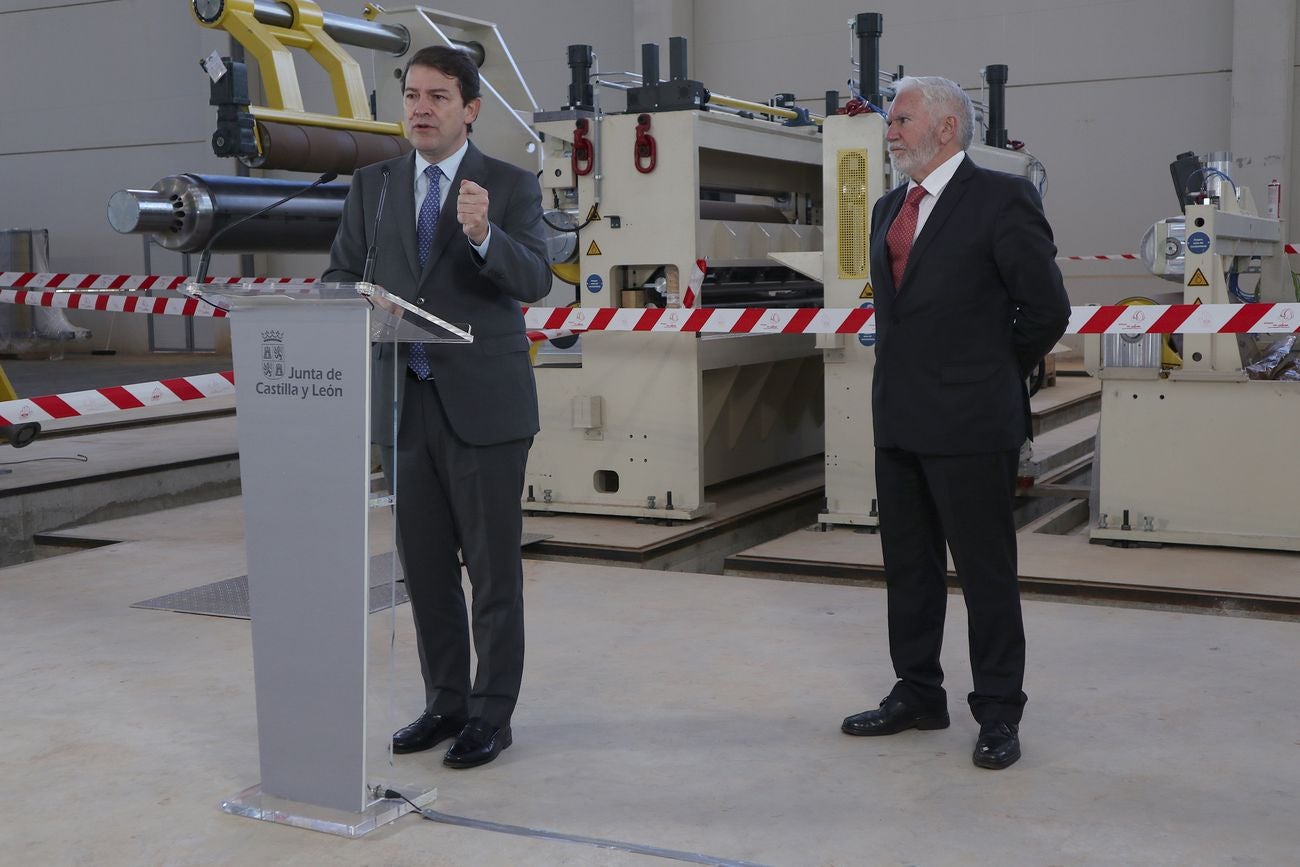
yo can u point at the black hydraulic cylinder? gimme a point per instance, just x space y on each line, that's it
649 64
581 58
869 26
996 76
677 58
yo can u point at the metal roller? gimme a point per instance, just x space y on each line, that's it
300 148
391 38
182 212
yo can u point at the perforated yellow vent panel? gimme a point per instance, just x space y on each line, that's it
851 175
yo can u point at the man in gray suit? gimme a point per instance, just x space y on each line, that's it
460 237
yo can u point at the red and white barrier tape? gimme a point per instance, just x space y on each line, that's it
119 397
1114 257
544 323
108 292
123 282
179 306
1186 319
696 284
1281 318
1102 257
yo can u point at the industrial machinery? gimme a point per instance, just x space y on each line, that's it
183 212
683 183
642 424
1195 449
686 199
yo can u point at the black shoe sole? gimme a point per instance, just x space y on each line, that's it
996 765
925 724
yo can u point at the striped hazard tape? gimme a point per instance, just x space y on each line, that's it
1114 257
119 397
121 282
112 303
695 286
109 292
545 323
542 322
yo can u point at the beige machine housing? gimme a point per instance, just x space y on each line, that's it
641 424
1200 455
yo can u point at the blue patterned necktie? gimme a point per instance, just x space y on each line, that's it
425 226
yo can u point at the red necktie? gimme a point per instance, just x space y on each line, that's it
899 237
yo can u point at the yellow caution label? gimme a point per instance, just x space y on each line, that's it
1197 302
593 249
1198 279
867 292
593 215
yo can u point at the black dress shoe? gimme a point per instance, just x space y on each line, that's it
426 732
998 746
477 744
892 717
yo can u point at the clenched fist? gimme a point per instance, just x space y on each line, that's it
472 211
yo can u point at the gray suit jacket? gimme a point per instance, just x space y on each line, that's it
486 387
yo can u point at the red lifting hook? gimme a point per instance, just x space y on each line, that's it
644 153
584 155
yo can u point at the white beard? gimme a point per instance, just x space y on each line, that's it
918 158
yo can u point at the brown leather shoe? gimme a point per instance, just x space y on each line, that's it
892 717
426 732
478 743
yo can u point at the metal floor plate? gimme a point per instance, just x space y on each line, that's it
229 598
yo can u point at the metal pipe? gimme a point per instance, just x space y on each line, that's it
996 76
391 38
394 39
869 26
757 107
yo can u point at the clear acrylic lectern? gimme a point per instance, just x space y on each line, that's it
302 358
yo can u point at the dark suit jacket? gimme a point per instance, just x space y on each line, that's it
980 303
486 387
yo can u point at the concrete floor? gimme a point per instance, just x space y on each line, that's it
683 711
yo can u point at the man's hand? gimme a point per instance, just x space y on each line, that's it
472 211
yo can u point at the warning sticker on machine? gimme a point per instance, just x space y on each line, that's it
593 215
1198 279
593 249
867 292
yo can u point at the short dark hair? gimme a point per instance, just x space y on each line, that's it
451 63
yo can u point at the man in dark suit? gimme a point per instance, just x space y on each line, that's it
460 237
968 299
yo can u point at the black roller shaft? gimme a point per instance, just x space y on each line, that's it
183 212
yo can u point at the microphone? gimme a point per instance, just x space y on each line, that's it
207 248
369 270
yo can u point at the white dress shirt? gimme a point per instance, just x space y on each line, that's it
933 185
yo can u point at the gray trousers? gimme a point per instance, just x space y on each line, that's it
454 499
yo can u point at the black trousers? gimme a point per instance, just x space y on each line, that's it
966 502
459 500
